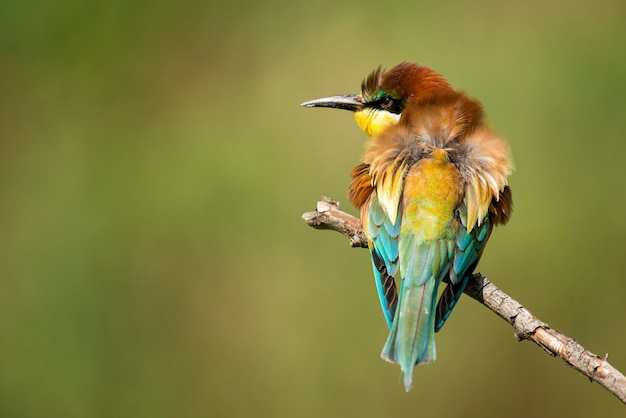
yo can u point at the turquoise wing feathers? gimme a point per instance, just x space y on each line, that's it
383 243
468 249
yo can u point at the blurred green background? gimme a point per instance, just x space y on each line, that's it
155 162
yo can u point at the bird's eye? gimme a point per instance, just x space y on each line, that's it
386 103
389 104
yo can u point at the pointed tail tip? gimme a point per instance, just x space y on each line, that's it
408 380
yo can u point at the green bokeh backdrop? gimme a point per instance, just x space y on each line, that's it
154 164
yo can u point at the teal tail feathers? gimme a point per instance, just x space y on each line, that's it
412 337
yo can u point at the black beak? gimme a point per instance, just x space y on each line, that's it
351 102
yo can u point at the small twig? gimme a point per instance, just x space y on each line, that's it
525 325
328 216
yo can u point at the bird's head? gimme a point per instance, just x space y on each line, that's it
385 95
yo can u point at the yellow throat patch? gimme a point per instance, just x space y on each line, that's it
374 121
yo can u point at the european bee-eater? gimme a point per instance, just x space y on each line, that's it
432 185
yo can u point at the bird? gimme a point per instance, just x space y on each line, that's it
432 185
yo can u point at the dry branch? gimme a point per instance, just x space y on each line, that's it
525 325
